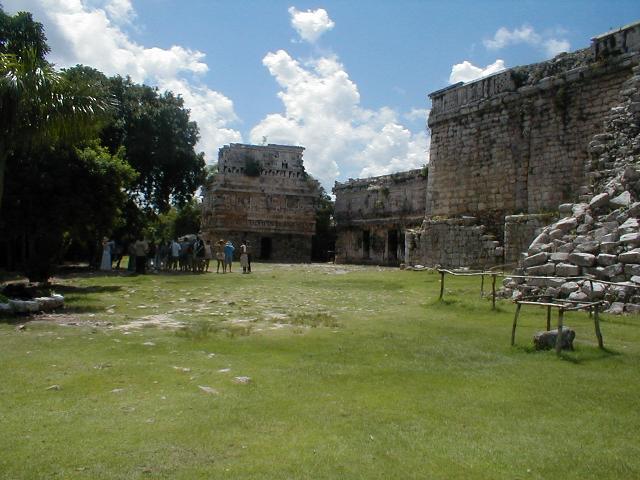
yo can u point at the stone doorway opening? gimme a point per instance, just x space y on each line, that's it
265 248
366 243
392 245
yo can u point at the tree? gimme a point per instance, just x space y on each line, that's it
74 195
36 102
159 140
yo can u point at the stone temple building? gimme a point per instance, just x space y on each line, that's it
372 215
508 149
263 195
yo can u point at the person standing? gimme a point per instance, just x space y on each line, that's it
208 255
141 248
248 245
244 257
175 254
228 254
220 256
105 264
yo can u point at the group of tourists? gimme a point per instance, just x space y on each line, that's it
190 253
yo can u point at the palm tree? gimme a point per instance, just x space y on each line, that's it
36 103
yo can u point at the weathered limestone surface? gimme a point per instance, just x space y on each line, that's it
262 194
602 232
372 215
522 141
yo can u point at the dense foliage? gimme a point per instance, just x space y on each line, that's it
84 155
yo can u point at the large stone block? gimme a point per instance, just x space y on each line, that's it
546 269
567 270
632 256
582 259
537 259
605 259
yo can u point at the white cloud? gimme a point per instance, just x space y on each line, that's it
120 11
322 112
91 35
553 47
526 34
466 71
310 24
417 114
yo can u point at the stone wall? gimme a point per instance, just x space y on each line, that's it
518 232
263 194
454 242
372 215
518 142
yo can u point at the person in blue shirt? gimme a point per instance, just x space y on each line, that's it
228 254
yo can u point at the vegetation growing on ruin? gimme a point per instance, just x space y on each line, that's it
252 167
354 372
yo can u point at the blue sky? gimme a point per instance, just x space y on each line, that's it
348 80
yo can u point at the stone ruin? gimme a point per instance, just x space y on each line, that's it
599 236
508 149
262 194
372 215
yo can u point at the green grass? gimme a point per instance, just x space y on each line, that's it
355 373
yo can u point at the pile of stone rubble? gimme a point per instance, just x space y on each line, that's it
599 237
36 305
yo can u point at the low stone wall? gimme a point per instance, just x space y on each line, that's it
519 232
453 242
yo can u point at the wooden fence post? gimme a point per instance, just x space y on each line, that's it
441 284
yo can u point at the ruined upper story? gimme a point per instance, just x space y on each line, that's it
399 197
261 188
606 50
518 141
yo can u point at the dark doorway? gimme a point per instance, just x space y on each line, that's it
392 243
366 243
265 248
401 240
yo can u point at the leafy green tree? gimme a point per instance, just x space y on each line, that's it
159 139
37 104
74 194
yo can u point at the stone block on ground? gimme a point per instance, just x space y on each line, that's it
632 256
616 308
567 224
588 247
559 257
542 270
606 259
578 296
630 238
569 287
567 270
622 200
582 259
547 340
537 259
599 201
632 308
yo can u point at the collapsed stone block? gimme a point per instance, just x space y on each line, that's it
582 259
632 256
567 270
547 340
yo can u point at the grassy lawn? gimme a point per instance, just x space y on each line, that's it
354 373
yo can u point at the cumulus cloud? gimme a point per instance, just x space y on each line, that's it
417 114
310 24
322 112
526 35
92 35
466 71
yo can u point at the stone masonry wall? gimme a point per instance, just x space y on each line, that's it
518 143
372 215
262 193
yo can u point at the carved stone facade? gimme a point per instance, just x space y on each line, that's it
372 215
263 195
516 143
